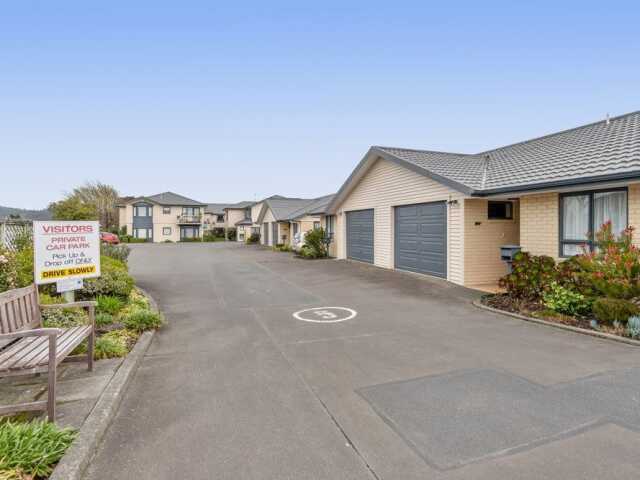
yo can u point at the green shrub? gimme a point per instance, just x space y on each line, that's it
231 233
530 277
564 300
115 343
610 310
109 263
117 252
282 248
190 240
64 317
253 238
114 280
139 319
104 319
633 327
32 448
137 299
315 245
109 304
46 299
613 270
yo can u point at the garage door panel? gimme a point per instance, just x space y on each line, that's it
360 228
421 238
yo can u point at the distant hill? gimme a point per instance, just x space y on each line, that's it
25 214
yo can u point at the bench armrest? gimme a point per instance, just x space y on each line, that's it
36 332
85 304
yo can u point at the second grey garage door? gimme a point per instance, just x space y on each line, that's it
360 235
421 238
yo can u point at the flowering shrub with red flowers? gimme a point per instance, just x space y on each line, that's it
612 269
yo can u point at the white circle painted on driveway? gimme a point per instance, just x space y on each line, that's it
325 314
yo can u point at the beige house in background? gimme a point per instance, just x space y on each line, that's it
285 220
229 216
162 217
238 216
448 214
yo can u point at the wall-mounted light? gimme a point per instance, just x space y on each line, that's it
452 202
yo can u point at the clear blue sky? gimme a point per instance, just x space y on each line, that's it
224 102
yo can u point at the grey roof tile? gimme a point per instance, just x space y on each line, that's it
598 150
170 198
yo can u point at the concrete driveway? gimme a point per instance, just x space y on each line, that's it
420 384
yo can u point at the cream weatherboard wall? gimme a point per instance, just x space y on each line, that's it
163 221
234 215
387 185
268 218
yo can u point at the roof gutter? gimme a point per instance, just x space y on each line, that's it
558 183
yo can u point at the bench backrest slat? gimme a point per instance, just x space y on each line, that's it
19 310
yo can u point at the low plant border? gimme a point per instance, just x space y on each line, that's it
75 461
570 328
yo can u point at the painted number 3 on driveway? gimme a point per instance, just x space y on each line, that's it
325 314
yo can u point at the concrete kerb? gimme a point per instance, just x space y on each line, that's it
583 331
74 463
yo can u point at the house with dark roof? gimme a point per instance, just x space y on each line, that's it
285 220
447 214
162 217
230 217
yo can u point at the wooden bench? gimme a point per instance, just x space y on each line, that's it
26 348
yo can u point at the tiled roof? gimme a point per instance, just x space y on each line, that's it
282 208
170 198
601 150
316 206
216 208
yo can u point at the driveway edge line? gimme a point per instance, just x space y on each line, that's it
583 331
75 461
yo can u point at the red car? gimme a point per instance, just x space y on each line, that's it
111 238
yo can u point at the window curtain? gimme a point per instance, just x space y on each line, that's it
575 219
610 207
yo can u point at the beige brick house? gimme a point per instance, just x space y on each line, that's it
162 217
448 214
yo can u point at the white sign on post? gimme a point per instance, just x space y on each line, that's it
65 252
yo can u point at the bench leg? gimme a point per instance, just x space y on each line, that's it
51 393
90 349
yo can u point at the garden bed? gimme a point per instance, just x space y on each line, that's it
123 314
597 290
579 325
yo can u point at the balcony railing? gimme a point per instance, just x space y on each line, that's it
189 219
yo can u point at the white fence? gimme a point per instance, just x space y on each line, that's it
13 230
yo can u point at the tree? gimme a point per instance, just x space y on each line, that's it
91 201
72 208
104 198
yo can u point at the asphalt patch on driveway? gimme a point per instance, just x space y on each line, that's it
466 416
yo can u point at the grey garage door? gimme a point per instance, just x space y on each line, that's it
421 238
360 235
265 234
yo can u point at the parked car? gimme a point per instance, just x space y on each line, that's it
111 238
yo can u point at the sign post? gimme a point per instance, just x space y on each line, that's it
66 252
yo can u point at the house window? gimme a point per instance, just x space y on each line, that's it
295 228
220 218
582 214
500 210
316 225
166 230
144 233
191 211
166 210
330 222
142 211
189 232
247 213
